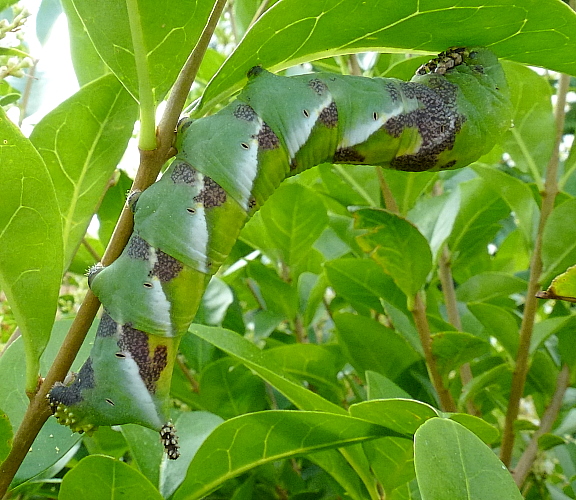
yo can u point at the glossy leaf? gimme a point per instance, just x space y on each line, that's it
81 142
401 415
106 478
397 246
244 350
296 31
518 196
31 255
559 243
287 226
244 442
453 349
451 462
563 287
531 140
363 283
168 34
369 345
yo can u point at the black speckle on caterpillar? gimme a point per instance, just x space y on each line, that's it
452 112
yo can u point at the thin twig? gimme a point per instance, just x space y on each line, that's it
421 321
150 164
91 250
387 195
548 418
449 292
531 305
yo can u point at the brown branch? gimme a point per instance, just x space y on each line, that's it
150 164
449 292
421 321
387 195
531 305
548 418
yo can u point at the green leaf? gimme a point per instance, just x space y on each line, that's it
247 441
106 478
392 461
435 218
516 194
296 31
31 260
81 141
478 221
486 432
6 436
397 246
408 186
229 389
369 345
559 241
363 283
287 226
88 65
402 415
453 349
452 462
244 350
381 387
531 140
563 287
499 376
169 34
319 365
500 323
488 286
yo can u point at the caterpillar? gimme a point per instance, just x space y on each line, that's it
452 112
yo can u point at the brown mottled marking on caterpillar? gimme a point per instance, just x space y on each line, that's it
166 267
437 121
245 112
107 327
329 116
138 248
69 395
212 195
267 139
183 173
318 86
347 155
135 342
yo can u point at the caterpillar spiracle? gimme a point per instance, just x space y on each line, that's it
452 112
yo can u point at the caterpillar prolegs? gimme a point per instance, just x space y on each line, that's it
452 112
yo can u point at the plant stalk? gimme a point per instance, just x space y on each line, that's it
421 321
150 164
531 305
548 418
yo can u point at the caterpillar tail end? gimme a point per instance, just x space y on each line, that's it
65 415
170 441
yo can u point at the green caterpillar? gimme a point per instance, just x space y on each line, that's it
452 112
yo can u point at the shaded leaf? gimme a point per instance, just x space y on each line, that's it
559 241
452 462
296 31
106 478
397 246
31 255
81 142
369 345
254 439
168 34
